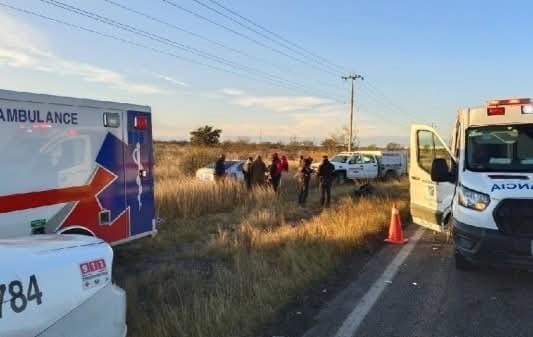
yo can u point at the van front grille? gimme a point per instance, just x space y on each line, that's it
515 216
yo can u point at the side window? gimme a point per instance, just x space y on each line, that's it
430 148
356 159
368 159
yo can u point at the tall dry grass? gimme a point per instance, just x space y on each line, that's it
226 260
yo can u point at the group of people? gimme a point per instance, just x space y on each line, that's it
325 173
258 174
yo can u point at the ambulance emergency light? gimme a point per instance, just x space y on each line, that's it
497 107
140 122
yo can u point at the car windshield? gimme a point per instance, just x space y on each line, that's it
500 148
340 159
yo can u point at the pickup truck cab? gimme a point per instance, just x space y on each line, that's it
362 165
481 186
59 286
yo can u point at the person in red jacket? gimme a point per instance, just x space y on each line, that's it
284 163
275 169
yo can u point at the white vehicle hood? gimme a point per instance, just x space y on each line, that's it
67 269
205 173
500 185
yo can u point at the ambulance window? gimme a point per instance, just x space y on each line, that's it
430 148
69 154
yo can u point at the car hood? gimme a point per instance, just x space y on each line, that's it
67 269
500 185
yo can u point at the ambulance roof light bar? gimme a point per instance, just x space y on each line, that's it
511 101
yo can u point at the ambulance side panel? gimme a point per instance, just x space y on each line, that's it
65 169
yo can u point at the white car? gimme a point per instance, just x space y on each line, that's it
59 286
233 170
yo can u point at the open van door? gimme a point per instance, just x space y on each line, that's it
430 201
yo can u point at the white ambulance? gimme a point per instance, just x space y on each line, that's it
481 186
59 286
75 166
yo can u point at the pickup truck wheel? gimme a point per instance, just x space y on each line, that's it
341 178
390 175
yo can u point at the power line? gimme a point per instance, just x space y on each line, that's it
129 42
266 36
339 68
251 39
199 36
178 45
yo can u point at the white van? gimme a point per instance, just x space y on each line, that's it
481 186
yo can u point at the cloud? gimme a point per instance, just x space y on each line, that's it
232 92
171 80
275 103
22 47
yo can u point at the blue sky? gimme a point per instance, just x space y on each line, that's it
422 60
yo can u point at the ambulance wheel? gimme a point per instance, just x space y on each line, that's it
461 263
78 231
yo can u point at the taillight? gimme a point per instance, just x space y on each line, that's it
495 111
140 122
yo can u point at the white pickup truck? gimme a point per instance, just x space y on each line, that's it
59 286
369 165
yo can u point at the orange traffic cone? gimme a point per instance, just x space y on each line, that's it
395 229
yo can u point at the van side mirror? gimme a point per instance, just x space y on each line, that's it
440 172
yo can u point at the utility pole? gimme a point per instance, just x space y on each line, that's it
353 78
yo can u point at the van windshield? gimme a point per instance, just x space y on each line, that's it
505 148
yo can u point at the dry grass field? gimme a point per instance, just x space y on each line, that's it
226 260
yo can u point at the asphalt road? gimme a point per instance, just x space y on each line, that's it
427 296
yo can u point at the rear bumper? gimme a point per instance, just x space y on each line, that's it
483 246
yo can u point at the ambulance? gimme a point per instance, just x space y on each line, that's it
59 286
75 166
481 186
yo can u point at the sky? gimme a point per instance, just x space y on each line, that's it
421 61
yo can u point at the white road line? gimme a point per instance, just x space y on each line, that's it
358 314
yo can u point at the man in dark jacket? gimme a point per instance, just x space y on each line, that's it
258 172
247 171
304 176
220 168
325 177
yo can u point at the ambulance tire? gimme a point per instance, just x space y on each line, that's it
461 263
78 231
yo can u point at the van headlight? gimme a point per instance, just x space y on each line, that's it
473 199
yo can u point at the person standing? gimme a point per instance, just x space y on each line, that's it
284 164
325 177
275 170
247 171
304 176
258 172
220 168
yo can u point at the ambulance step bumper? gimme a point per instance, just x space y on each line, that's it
483 246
